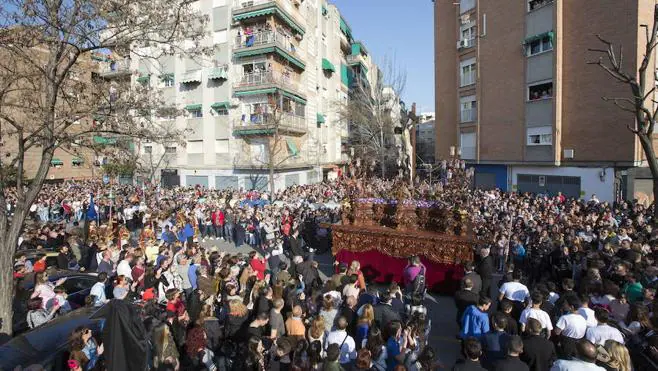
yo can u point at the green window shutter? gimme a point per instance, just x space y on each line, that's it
292 147
356 49
344 76
320 118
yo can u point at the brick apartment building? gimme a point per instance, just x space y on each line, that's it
515 95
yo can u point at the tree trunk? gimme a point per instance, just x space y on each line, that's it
271 181
650 154
7 251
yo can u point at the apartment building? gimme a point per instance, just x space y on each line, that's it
517 99
269 96
425 139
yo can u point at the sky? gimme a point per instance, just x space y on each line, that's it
400 30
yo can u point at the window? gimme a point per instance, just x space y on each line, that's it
170 150
540 91
196 113
468 34
219 37
539 45
540 136
467 72
468 108
536 4
467 145
466 5
195 146
168 81
221 111
148 149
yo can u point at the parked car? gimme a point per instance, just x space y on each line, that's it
77 285
48 345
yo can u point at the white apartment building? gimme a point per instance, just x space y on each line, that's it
279 66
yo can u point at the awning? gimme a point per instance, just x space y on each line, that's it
218 73
292 147
290 58
328 66
194 76
253 51
271 10
255 92
77 160
359 48
103 140
193 107
324 10
320 118
144 78
294 97
549 34
345 28
237 132
220 105
56 162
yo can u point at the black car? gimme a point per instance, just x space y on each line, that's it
48 345
77 285
34 254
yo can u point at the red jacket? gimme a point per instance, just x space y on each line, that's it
217 218
259 267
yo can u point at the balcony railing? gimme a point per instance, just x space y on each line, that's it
469 115
115 68
270 121
255 79
246 160
354 59
261 38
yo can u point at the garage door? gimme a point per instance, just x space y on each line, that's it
549 184
194 180
485 180
226 182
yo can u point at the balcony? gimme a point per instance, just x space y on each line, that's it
268 80
265 124
355 59
282 9
120 68
265 42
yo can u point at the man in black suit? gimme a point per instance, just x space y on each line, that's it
485 268
538 352
472 350
384 312
469 272
512 362
465 298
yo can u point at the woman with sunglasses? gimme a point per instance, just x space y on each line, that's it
84 348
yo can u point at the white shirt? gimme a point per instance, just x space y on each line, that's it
573 325
348 350
601 333
98 290
589 316
539 315
123 269
575 365
515 291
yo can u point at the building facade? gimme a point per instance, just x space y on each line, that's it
517 99
425 139
269 97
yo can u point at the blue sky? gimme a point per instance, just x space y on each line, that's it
402 30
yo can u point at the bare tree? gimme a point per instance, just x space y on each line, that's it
49 99
276 153
641 103
371 114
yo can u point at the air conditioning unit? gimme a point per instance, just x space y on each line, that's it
465 18
568 153
461 44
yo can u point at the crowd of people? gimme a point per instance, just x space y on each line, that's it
577 289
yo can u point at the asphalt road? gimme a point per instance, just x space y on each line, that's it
441 309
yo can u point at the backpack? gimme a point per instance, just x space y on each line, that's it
419 286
